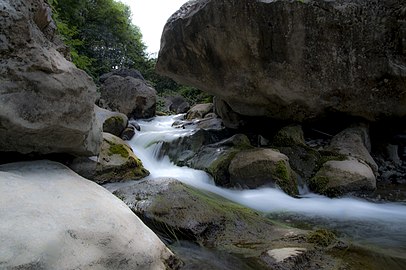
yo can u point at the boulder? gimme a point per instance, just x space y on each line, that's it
199 111
122 73
181 212
291 60
257 167
354 142
46 103
129 95
215 158
115 163
177 104
338 177
128 133
112 122
54 219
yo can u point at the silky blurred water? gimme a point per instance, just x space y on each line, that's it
363 221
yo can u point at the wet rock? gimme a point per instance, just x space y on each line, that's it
354 142
289 135
128 133
54 219
215 158
340 177
46 103
112 122
258 167
291 60
199 111
130 96
116 163
201 216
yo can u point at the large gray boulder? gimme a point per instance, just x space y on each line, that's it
130 96
46 103
51 218
291 60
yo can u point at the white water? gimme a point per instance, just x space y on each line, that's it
268 200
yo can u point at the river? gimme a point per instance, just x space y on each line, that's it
368 223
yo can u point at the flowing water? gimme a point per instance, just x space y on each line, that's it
380 224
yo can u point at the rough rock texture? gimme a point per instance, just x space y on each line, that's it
122 73
115 163
112 122
51 218
187 213
340 177
292 60
257 167
129 95
199 111
46 103
354 142
177 104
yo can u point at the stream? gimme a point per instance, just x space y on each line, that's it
366 223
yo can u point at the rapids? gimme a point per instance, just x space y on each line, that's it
363 221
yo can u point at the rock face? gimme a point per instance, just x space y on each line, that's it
46 103
292 60
54 219
129 95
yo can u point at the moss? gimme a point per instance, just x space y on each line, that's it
118 149
318 183
289 136
219 167
322 237
285 178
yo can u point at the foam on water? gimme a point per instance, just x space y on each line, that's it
147 143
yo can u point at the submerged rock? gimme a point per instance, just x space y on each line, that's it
46 103
291 60
257 167
54 219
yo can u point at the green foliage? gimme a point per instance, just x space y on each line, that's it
100 35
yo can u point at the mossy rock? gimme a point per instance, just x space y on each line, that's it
289 136
115 125
117 162
259 166
339 177
182 212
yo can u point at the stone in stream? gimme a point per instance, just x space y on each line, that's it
257 167
115 163
291 60
112 122
178 211
46 103
51 218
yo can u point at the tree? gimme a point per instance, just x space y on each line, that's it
100 35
